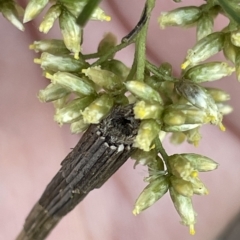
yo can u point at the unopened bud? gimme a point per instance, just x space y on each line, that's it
143 91
98 109
182 186
72 111
204 25
103 78
210 71
177 138
205 48
235 37
183 16
144 110
52 14
224 109
52 92
71 32
229 49
109 41
53 46
72 82
147 132
218 95
198 186
99 14
200 162
184 208
78 126
33 8
152 193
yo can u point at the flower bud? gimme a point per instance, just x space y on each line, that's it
183 16
210 71
62 63
109 41
147 132
182 186
52 14
151 193
184 208
224 109
218 95
181 167
53 46
98 109
199 97
204 25
99 14
78 126
166 69
177 138
33 8
72 111
61 102
193 136
9 11
200 162
198 186
71 32
52 92
229 49
235 37
143 110
143 91
103 78
205 48
117 67
72 82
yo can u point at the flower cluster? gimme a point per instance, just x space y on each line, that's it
83 92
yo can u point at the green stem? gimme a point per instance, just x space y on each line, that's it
153 69
140 53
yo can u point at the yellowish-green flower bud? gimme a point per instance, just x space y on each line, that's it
152 193
144 110
224 109
181 167
9 11
78 126
177 138
52 92
71 32
75 7
183 16
235 37
229 49
62 63
205 48
99 14
180 128
108 42
218 95
33 8
166 69
184 208
200 162
198 186
72 111
199 97
193 136
117 67
52 14
143 91
103 78
204 25
53 46
98 109
61 102
72 82
210 71
147 132
178 114
182 186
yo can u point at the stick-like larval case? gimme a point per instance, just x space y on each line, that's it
101 151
